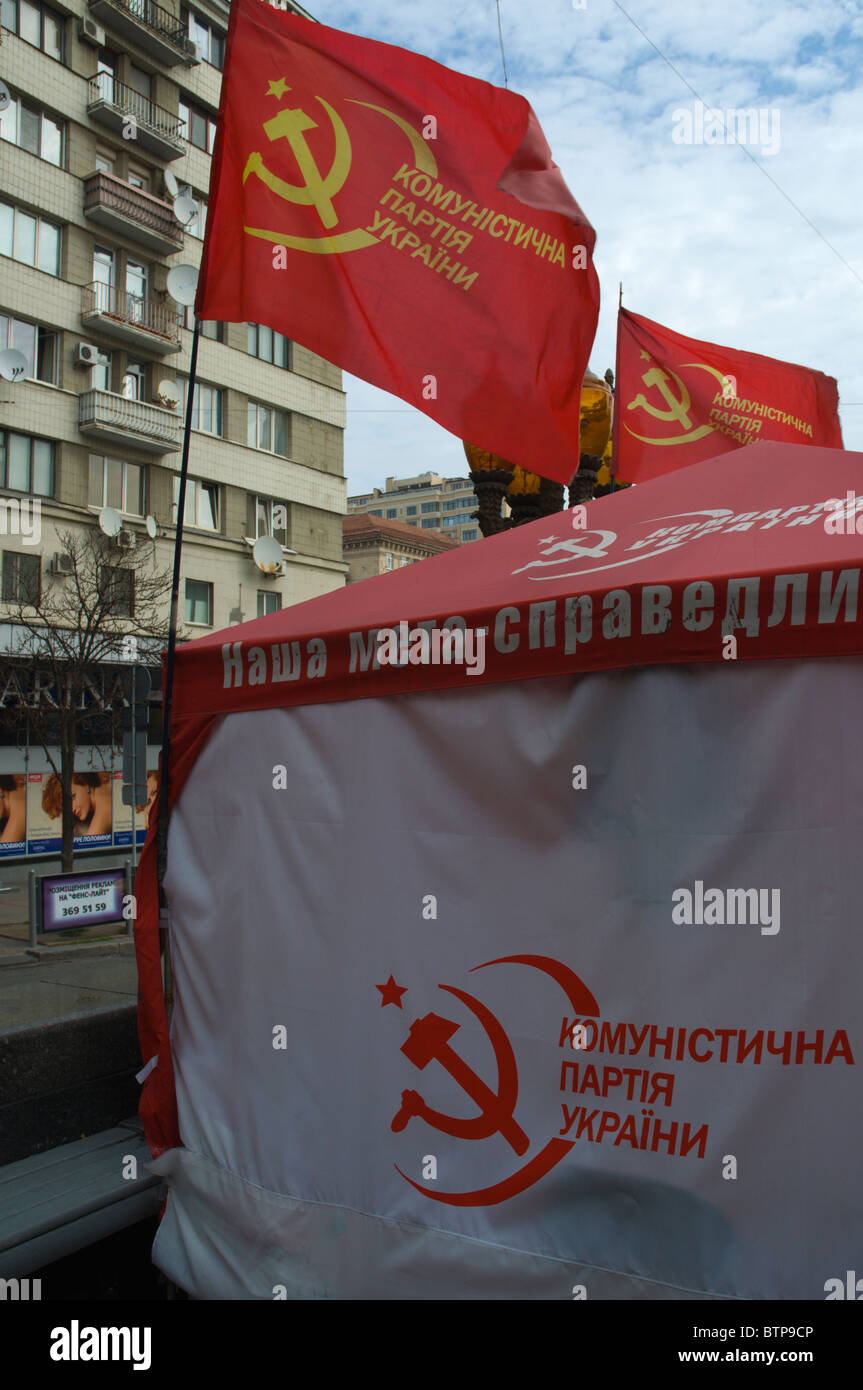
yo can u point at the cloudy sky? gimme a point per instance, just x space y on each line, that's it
700 236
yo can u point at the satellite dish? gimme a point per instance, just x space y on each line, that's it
13 364
183 284
171 184
185 208
5 96
152 527
110 521
267 554
168 392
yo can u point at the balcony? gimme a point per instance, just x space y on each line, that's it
133 213
119 421
146 25
139 323
112 104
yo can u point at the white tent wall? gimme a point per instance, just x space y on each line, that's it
289 907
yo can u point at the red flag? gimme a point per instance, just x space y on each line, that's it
679 401
407 223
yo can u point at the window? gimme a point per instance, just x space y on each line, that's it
202 504
104 164
33 130
389 560
134 381
210 41
186 318
206 406
198 224
22 578
103 265
29 239
429 523
117 591
469 535
267 429
140 82
410 511
197 126
271 519
101 374
379 513
39 346
199 602
106 72
35 24
114 483
429 506
26 464
391 513
270 347
453 504
404 562
138 181
268 602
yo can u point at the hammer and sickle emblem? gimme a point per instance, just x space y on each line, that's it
429 1041
316 191
678 406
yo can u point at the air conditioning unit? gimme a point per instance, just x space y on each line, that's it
61 564
125 540
193 50
91 32
88 355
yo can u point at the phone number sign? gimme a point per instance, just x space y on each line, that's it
82 900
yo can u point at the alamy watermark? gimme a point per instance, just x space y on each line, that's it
707 125
726 906
440 646
845 517
21 516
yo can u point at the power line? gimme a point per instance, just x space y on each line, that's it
750 156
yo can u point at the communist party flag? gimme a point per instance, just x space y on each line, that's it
408 224
678 401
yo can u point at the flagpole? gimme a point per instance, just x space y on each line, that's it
615 418
164 775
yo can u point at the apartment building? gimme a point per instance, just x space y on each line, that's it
427 501
374 545
106 136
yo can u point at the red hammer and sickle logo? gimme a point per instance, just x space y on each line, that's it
429 1041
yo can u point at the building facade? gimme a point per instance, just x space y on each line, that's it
373 545
428 502
105 148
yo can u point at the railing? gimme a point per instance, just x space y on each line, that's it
103 190
160 21
135 417
129 308
105 87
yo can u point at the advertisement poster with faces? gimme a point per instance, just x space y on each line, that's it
31 810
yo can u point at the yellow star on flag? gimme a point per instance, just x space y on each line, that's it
278 89
645 356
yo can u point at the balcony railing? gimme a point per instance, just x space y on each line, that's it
155 29
149 426
105 88
130 313
113 202
160 21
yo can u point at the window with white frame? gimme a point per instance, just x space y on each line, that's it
197 226
268 345
202 504
34 130
199 602
271 518
36 24
29 239
267 429
268 602
26 463
206 406
209 39
115 483
40 346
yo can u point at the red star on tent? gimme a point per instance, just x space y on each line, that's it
391 993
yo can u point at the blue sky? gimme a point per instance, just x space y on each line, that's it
701 239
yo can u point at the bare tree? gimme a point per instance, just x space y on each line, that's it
107 607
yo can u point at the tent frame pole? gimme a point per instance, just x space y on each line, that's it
167 708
